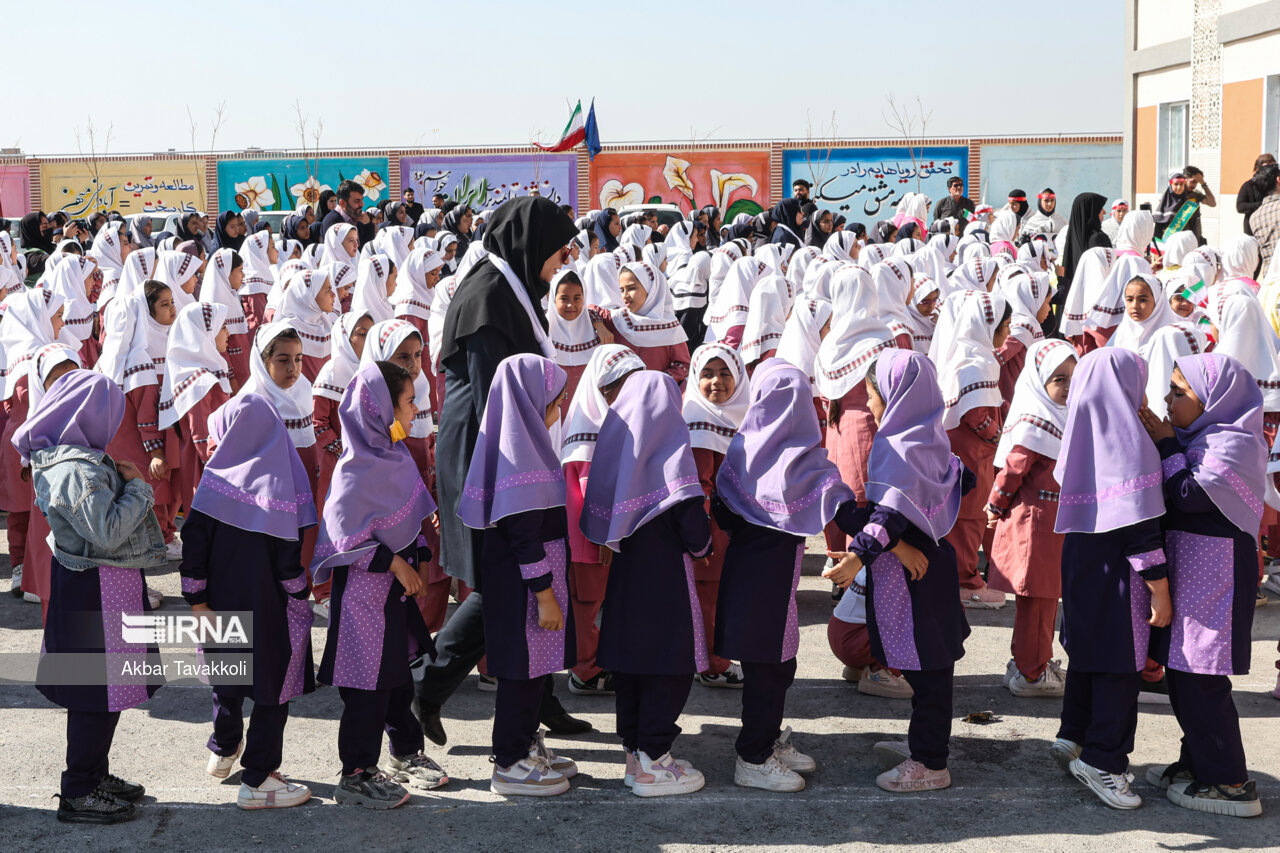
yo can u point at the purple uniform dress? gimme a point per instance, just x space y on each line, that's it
523 554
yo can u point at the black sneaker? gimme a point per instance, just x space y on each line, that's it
372 789
564 725
129 792
96 807
600 684
1217 799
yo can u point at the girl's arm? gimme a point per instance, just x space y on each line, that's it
523 533
1180 487
693 527
323 412
197 535
1009 480
96 513
880 533
678 368
985 423
286 560
1145 553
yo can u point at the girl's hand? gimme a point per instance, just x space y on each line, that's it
550 618
408 577
606 337
606 556
912 559
845 569
1161 604
992 518
1158 428
435 521
159 470
128 471
701 563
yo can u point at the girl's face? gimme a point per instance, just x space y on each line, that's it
1001 334
1060 382
220 339
273 254
1044 310
553 263
409 355
1181 307
59 370
875 403
433 278
163 311
189 286
351 243
236 277
1138 301
611 392
825 330
406 410
569 301
324 299
633 292
391 283
1184 405
304 227
825 224
56 322
285 364
615 226
450 251
927 306
553 410
716 382
360 334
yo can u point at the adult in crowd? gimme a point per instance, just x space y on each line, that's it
1249 198
412 209
1185 185
350 210
955 205
800 190
1264 223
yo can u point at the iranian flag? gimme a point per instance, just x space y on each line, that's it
574 133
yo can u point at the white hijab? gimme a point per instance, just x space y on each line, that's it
690 283
25 327
1133 334
1161 353
138 267
412 296
193 365
445 289
608 364
803 335
70 281
301 311
293 404
1025 292
1034 420
767 317
370 296
393 241
334 253
601 282
259 275
126 356
1086 286
176 269
380 345
857 333
732 302
575 339
963 351
1107 308
337 373
711 425
216 288
1245 334
893 280
655 324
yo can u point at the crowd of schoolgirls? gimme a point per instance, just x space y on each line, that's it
677 410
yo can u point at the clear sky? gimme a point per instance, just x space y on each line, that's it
386 73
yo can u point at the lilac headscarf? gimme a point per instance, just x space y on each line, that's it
515 466
643 464
1108 467
911 468
255 480
81 408
1225 445
376 495
775 473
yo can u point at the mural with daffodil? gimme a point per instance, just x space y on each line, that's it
284 184
734 181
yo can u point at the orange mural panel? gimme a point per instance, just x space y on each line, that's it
734 181
1242 123
1144 150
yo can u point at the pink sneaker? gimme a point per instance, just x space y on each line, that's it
912 776
984 598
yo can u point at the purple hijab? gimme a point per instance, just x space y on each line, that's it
1109 469
515 466
911 468
376 496
254 480
82 408
643 464
1225 445
775 473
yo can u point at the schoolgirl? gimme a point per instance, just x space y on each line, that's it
646 322
223 276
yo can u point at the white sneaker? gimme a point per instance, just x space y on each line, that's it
772 775
173 551
633 767
731 678
884 683
1272 584
1050 683
276 792
566 767
984 598
320 608
852 674
1063 752
1010 670
1112 788
15 582
31 597
665 777
528 777
890 753
155 598
219 766
789 756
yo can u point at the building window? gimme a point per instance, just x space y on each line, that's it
1271 115
1172 150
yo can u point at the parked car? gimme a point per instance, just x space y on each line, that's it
668 214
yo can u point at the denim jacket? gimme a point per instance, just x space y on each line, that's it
95 517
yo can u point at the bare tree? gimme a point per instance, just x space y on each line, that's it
818 147
539 157
301 124
912 125
218 117
90 136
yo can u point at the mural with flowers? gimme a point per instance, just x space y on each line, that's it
284 184
486 182
734 181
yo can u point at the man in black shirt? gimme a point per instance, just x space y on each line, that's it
411 207
350 210
1249 198
800 189
955 205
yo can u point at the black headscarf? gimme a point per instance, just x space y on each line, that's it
784 212
608 242
1084 232
289 228
524 232
221 238
453 224
815 236
741 231
29 230
908 231
1018 207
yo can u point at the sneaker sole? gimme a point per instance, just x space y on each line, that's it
1250 808
689 785
914 787
723 685
97 818
344 798
420 784
982 605
1104 794
799 766
890 757
883 692
584 691
751 781
259 805
518 789
1055 692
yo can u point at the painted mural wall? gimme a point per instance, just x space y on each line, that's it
485 182
734 181
82 187
14 191
1067 169
284 184
866 184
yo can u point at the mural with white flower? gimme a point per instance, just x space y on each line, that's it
283 184
734 181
